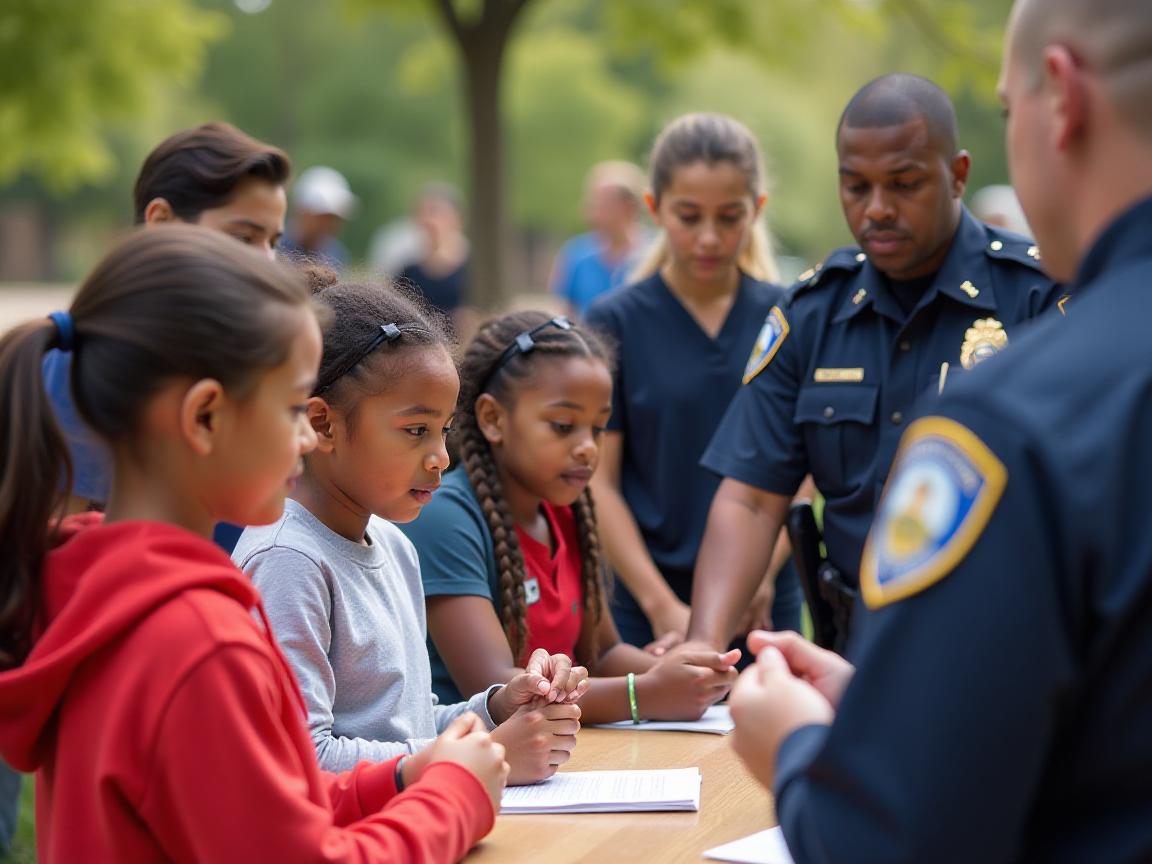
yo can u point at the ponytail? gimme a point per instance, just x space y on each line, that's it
166 303
710 138
34 481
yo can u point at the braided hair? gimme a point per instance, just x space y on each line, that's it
487 367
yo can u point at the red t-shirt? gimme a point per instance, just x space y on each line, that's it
553 585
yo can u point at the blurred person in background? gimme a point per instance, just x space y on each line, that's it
998 205
321 203
440 269
591 264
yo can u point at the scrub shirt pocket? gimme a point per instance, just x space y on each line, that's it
837 420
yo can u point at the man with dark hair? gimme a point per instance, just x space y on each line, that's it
929 292
1002 699
213 175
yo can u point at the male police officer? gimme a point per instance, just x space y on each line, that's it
838 366
1002 701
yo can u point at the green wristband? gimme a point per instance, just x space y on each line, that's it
632 697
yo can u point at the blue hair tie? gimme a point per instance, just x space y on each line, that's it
65 331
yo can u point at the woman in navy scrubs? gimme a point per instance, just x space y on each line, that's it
684 332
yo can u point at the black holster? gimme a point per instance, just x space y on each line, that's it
829 597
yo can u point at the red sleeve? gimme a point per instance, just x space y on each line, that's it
231 780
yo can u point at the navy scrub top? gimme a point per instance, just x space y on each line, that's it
1001 706
842 365
672 385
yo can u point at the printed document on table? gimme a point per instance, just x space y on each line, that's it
717 720
763 847
607 792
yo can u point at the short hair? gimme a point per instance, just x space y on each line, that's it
623 177
199 169
1113 36
899 98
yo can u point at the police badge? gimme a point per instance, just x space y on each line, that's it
984 338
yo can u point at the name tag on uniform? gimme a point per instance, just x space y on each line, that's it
531 591
824 376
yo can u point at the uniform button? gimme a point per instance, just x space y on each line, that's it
996 245
860 256
829 411
905 345
897 418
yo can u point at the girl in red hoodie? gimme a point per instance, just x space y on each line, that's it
140 679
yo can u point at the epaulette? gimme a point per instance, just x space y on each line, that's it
1012 247
846 259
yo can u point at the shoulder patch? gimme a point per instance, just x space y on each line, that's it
772 336
944 486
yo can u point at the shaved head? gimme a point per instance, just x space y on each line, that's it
894 100
1112 37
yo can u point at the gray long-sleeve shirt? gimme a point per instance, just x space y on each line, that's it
350 618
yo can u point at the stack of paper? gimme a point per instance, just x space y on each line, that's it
607 792
764 847
717 720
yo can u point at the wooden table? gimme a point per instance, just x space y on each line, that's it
732 805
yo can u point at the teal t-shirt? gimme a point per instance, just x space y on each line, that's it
457 557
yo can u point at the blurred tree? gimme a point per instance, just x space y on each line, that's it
66 70
958 36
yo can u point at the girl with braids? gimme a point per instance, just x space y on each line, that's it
342 584
509 548
138 676
685 328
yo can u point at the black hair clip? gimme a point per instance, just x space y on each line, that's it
387 333
523 344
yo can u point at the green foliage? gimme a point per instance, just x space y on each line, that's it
566 111
23 849
67 69
370 94
373 88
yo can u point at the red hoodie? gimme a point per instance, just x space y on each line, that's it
166 725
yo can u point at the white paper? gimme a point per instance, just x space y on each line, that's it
716 720
763 847
607 792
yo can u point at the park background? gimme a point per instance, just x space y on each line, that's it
509 100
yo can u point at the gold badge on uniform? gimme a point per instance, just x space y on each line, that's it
984 338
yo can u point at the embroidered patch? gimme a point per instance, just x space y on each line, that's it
944 485
531 591
771 337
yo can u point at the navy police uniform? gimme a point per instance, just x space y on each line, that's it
840 363
671 386
1003 700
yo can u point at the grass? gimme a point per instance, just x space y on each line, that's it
23 849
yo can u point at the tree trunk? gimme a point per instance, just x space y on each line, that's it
488 223
482 45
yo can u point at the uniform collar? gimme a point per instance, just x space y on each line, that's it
1125 238
964 276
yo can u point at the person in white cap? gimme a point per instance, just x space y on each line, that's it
322 203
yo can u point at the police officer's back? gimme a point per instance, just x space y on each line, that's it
1001 706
